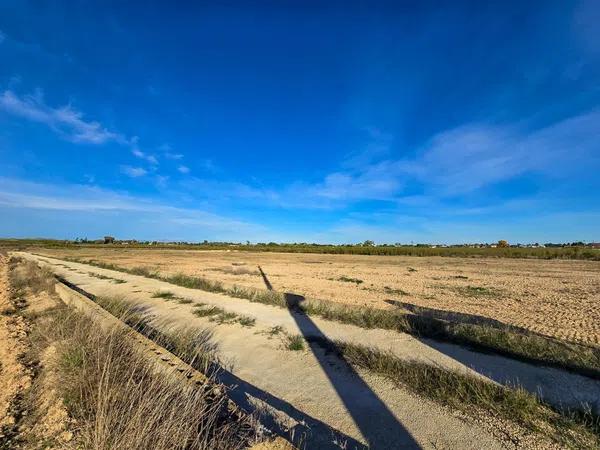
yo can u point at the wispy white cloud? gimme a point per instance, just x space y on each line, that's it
468 158
183 169
65 120
135 150
161 181
207 165
151 218
377 147
71 125
133 172
80 210
168 152
460 161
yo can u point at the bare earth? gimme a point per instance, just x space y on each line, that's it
14 376
556 298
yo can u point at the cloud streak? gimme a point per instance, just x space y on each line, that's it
133 172
65 120
464 160
171 221
71 125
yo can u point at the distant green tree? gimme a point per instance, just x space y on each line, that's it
368 243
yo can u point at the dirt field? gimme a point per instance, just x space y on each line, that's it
556 298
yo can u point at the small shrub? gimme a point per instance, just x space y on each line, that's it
295 342
274 331
207 312
246 321
224 317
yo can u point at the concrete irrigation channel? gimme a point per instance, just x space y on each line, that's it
314 393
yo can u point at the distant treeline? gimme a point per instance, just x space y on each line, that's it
551 251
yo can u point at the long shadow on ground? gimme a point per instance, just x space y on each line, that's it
308 433
378 426
558 387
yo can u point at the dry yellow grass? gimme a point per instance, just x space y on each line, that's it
557 298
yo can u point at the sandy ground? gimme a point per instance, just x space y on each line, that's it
556 298
45 420
311 381
15 378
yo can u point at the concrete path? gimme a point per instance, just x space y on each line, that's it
317 389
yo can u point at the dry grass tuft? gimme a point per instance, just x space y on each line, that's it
114 395
28 276
104 379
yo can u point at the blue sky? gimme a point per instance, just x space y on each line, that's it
300 121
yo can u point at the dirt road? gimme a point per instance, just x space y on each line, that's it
315 388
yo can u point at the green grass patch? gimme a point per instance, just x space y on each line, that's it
477 291
294 342
224 317
246 321
207 312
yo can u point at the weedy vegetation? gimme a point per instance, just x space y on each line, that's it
102 378
473 395
84 354
523 345
350 280
477 291
394 291
167 295
294 342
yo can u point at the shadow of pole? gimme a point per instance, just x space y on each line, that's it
309 433
376 423
265 279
